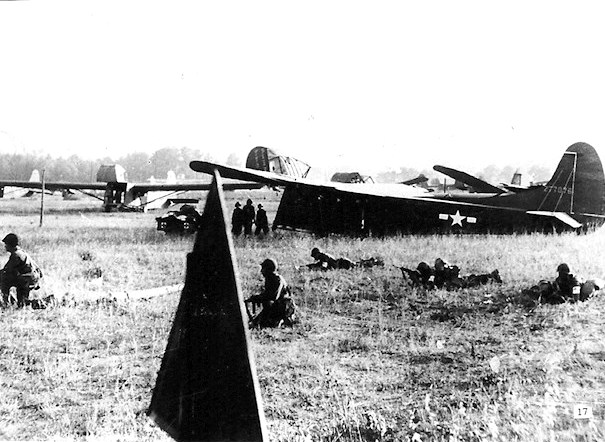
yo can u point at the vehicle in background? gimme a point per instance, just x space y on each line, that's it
185 220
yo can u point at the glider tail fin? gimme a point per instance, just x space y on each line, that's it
578 184
263 158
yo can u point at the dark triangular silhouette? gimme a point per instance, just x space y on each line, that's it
207 387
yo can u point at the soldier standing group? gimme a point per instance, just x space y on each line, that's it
244 218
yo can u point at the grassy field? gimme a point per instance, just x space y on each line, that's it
371 358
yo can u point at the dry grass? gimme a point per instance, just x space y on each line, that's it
371 359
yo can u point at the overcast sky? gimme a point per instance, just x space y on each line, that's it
364 85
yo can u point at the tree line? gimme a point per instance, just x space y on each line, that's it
139 166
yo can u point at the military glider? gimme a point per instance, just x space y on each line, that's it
119 193
573 199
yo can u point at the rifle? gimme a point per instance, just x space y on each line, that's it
255 301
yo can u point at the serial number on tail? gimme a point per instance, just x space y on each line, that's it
558 189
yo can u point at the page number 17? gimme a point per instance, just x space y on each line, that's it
582 412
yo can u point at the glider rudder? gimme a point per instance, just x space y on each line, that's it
578 184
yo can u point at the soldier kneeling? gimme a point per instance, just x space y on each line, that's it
277 305
20 272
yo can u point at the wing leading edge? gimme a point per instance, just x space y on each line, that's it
474 182
53 185
137 187
183 187
276 180
238 173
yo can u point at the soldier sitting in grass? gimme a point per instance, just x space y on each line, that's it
20 272
277 305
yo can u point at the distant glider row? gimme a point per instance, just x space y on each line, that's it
118 192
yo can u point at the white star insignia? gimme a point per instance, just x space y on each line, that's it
457 218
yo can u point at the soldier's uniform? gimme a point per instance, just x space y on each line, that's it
262 223
565 284
446 275
237 219
422 276
565 288
370 262
325 261
249 215
473 280
20 271
275 299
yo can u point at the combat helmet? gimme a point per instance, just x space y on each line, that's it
11 240
440 265
563 268
269 264
425 271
